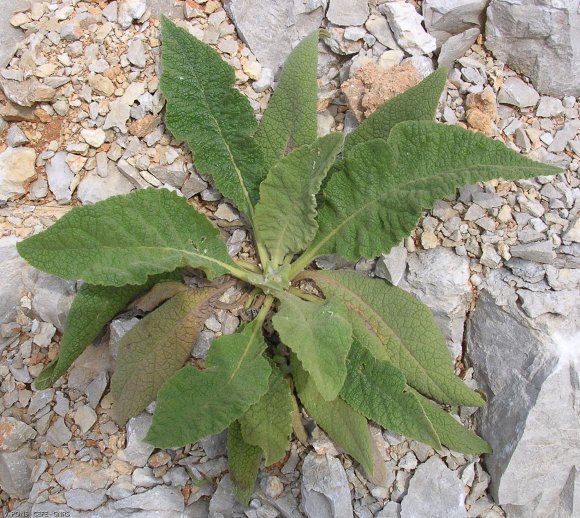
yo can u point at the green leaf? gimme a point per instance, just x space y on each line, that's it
378 197
452 434
268 423
343 424
244 461
205 110
397 327
156 348
320 335
91 309
290 119
124 239
289 190
195 403
378 391
416 104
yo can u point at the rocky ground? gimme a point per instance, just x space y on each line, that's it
81 120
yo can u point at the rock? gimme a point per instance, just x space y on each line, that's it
393 265
456 46
15 472
544 44
572 233
10 36
130 10
271 28
405 23
214 446
14 434
101 85
324 488
52 297
137 450
378 26
12 267
82 500
110 11
15 136
439 278
136 54
223 502
93 137
58 434
531 416
347 12
27 93
539 252
563 136
119 113
84 476
59 176
85 417
535 303
434 491
160 498
93 188
549 107
517 93
372 85
16 169
391 510
445 18
96 388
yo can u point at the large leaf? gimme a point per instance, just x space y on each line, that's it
206 111
91 309
286 214
320 335
244 462
124 239
416 104
290 119
268 423
195 403
377 198
156 348
451 433
343 424
378 391
397 327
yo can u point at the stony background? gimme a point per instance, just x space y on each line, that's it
81 120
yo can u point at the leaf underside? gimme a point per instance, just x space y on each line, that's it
195 403
244 461
125 239
215 120
320 335
156 348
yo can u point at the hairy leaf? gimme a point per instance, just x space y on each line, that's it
320 335
343 424
378 391
91 309
244 461
290 119
195 403
397 327
377 198
451 433
416 104
157 295
124 239
156 348
205 110
268 423
289 190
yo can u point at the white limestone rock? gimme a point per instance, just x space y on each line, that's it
405 23
348 12
16 170
446 18
12 268
59 176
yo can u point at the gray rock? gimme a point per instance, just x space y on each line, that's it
130 10
160 498
144 477
83 500
58 434
93 188
544 44
517 93
85 417
136 53
223 502
137 450
96 388
378 26
405 23
393 265
567 133
110 11
391 510
12 269
447 18
324 489
39 400
14 433
347 12
16 170
549 107
15 472
561 302
270 28
15 136
59 176
215 446
439 278
539 252
456 46
527 270
531 417
434 491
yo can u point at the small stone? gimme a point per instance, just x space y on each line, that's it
428 239
137 450
160 498
456 46
60 176
93 188
561 302
489 256
540 252
96 388
19 19
272 486
102 85
549 107
264 82
85 417
17 166
488 200
563 136
517 93
136 54
39 400
408 461
347 12
15 136
226 212
130 10
93 137
405 23
393 265
110 11
15 473
144 477
14 434
27 93
83 500
43 337
58 434
378 26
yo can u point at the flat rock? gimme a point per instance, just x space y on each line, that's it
15 471
14 433
270 29
379 27
434 491
27 93
12 268
93 137
136 54
16 169
15 136
393 265
447 18
82 500
324 489
129 10
549 107
517 93
223 502
456 46
160 498
347 12
137 450
94 188
59 176
531 418
540 252
544 44
58 434
405 23
536 303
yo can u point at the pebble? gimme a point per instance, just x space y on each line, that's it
16 168
82 500
137 451
517 93
129 10
60 176
136 54
15 136
58 434
93 137
405 23
85 417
